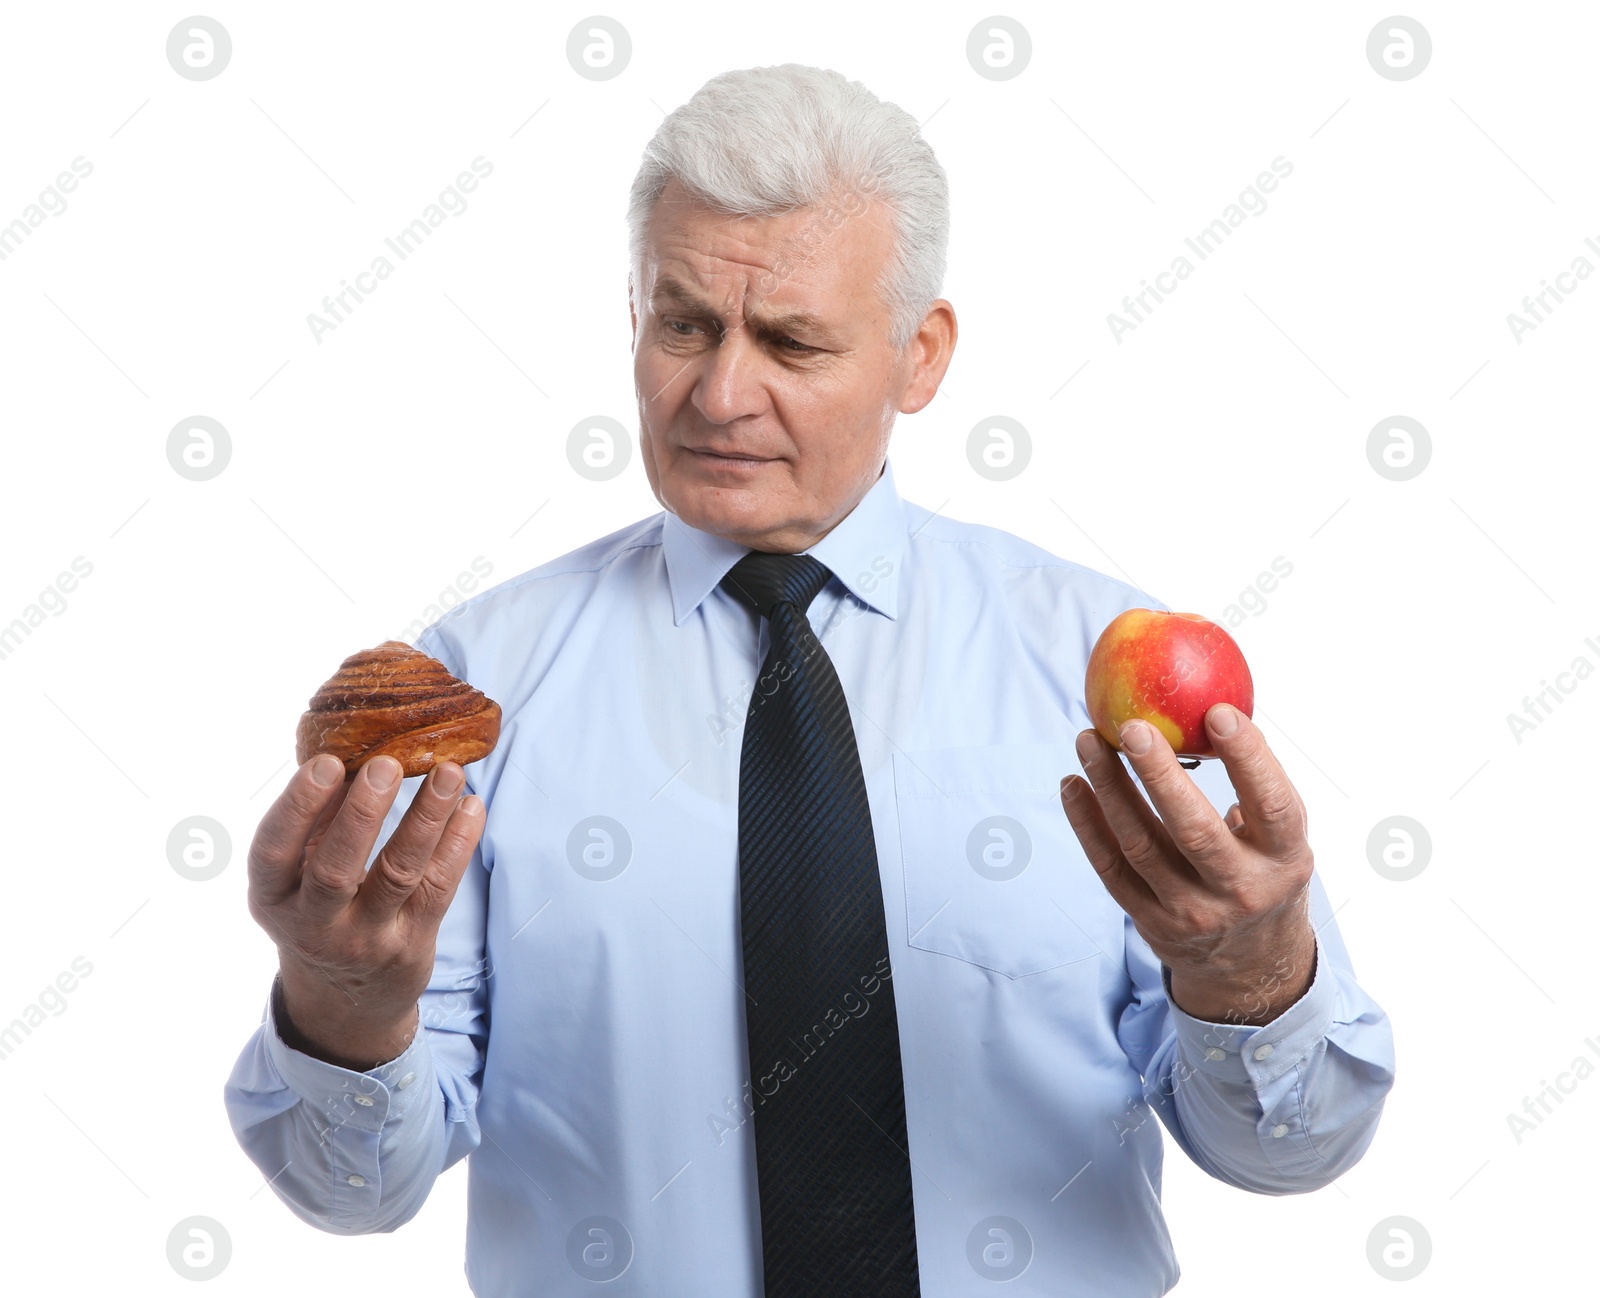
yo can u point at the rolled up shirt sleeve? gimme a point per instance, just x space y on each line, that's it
357 1152
1281 1108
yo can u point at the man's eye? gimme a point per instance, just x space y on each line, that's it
793 346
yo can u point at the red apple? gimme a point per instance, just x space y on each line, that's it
1166 668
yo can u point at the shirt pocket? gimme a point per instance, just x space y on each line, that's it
994 874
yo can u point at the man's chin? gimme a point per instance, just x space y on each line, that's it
743 502
723 517
726 511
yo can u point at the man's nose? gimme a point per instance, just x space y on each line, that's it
730 385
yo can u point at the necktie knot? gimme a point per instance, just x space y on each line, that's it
765 580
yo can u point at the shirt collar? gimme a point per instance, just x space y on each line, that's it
864 551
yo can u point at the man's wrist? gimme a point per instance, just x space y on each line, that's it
355 1048
1252 997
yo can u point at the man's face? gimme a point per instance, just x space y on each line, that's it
766 382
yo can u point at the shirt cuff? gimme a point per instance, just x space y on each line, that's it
1257 1055
344 1097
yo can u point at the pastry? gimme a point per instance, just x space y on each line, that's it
395 700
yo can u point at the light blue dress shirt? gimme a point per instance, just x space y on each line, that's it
583 1034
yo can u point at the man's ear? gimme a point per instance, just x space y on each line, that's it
633 317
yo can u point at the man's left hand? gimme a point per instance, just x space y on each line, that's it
1222 901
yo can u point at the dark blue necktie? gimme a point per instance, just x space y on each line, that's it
829 1101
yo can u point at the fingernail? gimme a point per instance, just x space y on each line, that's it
382 772
1088 749
326 770
446 779
1072 785
1135 736
1224 720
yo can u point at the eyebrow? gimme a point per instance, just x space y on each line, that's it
670 292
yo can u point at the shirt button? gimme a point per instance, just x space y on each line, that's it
363 1100
357 1181
1261 1052
1280 1131
405 1081
1215 1054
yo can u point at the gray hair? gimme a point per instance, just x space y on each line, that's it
766 141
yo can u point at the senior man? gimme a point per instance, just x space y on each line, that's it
769 952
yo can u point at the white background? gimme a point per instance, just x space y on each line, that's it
370 468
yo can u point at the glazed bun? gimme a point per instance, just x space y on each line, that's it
395 700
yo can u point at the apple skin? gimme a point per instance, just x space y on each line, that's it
1168 669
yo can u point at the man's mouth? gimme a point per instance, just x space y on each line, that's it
729 457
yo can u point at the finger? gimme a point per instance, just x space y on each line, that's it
295 815
1191 822
325 817
1143 839
429 900
1274 815
333 872
402 860
1126 885
1234 820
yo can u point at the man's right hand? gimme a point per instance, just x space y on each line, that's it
356 946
